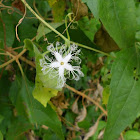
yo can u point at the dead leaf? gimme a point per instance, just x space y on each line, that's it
45 127
82 115
58 9
79 9
100 136
93 129
75 106
104 41
98 92
97 66
19 5
30 135
60 101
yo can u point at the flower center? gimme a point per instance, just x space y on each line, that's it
62 63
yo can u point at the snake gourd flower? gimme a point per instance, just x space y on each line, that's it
60 64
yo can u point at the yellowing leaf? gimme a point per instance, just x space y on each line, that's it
52 2
42 94
106 95
45 86
58 10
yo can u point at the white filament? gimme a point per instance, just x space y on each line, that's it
60 65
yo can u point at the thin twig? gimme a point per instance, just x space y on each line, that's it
73 18
19 22
16 57
24 59
122 136
87 97
17 48
3 54
37 10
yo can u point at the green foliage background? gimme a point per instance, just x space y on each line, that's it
30 104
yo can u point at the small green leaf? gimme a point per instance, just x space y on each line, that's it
124 101
132 135
89 27
29 46
43 30
106 93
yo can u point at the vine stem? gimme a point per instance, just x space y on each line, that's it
67 41
90 48
3 54
87 97
44 22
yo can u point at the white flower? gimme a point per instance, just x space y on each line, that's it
61 66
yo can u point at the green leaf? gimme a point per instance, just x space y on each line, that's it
50 136
6 109
9 26
89 27
42 30
119 19
132 135
35 112
29 46
124 101
1 136
138 15
93 6
17 129
1 118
